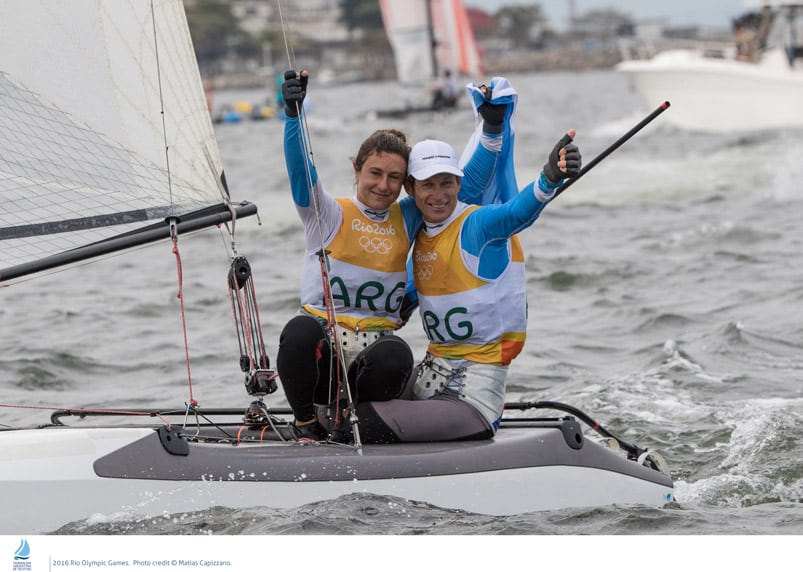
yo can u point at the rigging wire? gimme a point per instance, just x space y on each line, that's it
162 104
172 219
343 388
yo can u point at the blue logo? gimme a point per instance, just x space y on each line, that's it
21 556
23 552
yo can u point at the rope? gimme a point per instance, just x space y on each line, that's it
242 294
172 221
89 411
180 296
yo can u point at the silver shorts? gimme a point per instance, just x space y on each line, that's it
481 385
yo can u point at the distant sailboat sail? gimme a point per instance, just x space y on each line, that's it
106 131
429 37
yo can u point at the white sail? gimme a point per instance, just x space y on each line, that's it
456 48
105 124
429 37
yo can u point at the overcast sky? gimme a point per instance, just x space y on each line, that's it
705 13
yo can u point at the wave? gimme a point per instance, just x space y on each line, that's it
48 372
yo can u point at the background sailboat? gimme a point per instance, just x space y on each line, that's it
429 38
106 131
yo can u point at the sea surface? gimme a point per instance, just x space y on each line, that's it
665 300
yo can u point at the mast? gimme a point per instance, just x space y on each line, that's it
433 42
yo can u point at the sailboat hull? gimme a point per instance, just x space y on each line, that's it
56 475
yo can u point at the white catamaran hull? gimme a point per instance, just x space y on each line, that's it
54 476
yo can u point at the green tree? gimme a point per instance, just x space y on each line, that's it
363 20
214 29
517 22
361 14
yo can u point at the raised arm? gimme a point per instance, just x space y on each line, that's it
489 174
300 170
485 232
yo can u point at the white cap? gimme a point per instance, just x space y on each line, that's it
429 157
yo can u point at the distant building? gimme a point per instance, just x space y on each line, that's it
254 16
482 23
319 19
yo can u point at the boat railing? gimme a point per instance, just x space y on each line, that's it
235 424
642 49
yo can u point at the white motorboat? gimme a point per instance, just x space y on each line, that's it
756 85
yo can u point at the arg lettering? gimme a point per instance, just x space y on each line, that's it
452 327
369 295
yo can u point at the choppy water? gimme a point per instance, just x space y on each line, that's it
665 299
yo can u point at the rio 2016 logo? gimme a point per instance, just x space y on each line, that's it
372 228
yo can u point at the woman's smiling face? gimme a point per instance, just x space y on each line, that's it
380 180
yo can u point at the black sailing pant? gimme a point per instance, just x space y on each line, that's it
306 364
381 382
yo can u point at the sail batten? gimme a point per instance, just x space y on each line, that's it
83 223
104 120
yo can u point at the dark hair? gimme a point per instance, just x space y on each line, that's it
382 141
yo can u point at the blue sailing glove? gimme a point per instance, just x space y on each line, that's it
493 116
554 174
294 90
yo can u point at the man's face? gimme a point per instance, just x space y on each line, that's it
435 197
